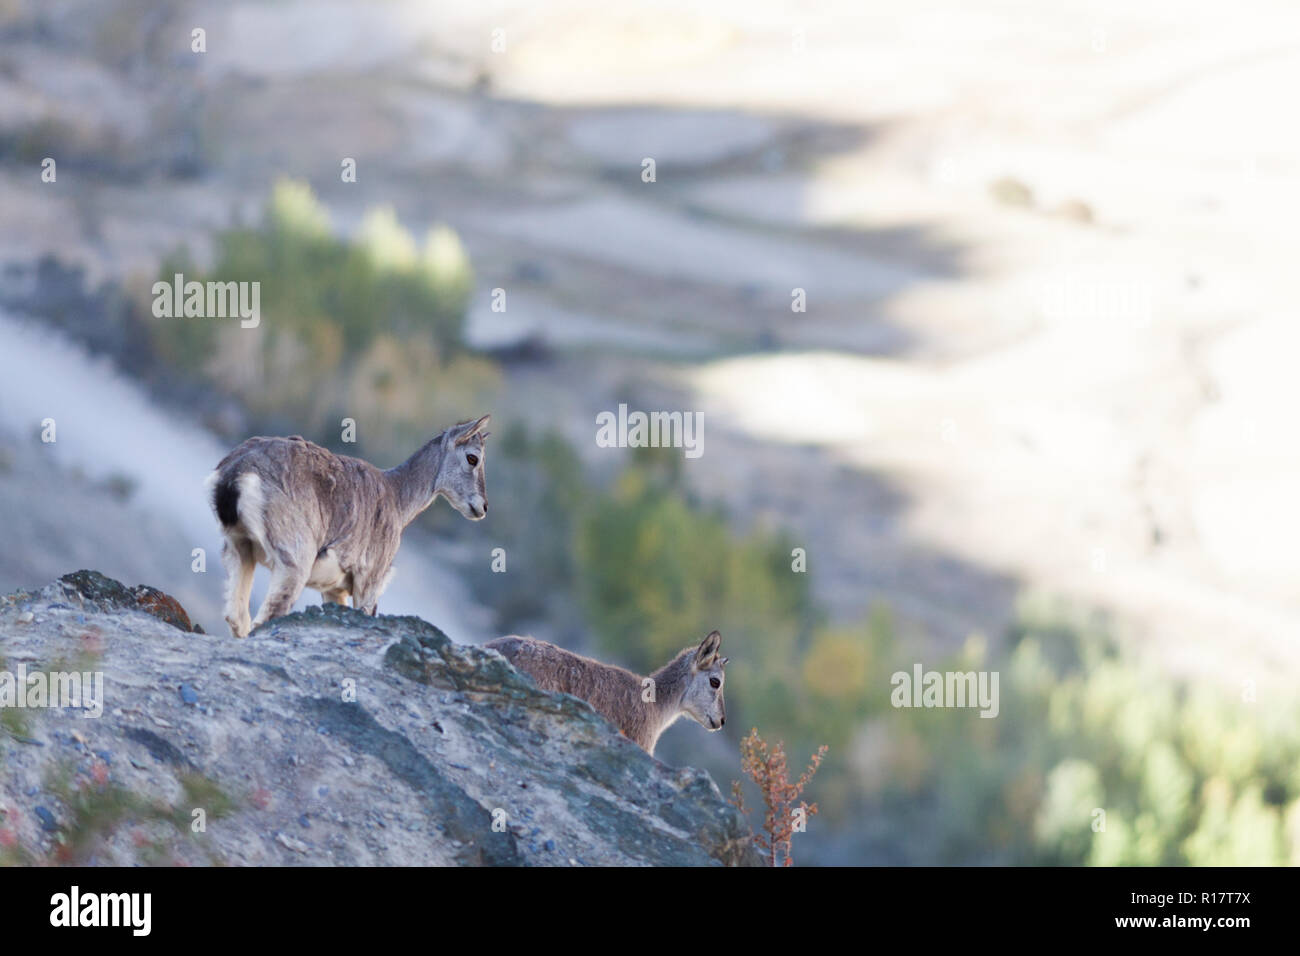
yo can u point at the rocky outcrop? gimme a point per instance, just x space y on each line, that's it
327 737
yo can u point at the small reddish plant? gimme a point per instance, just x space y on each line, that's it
770 771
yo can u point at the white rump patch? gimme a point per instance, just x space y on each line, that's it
252 508
209 490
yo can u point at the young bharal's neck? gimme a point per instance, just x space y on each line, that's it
661 727
415 481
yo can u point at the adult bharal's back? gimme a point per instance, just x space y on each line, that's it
331 522
305 472
641 707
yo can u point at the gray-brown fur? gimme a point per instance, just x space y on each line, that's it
683 686
331 522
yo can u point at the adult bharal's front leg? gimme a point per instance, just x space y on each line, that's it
366 599
368 590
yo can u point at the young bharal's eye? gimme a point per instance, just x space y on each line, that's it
714 683
472 459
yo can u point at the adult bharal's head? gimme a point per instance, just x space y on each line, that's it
461 478
703 701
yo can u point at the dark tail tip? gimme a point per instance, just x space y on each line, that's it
225 498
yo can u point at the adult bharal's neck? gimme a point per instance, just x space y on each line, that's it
415 480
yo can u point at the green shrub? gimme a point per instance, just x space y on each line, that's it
1182 774
380 318
659 572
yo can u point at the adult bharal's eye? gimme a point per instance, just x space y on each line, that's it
472 459
714 683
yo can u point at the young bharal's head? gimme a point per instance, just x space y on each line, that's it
462 479
703 701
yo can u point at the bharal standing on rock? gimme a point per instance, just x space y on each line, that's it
330 522
641 707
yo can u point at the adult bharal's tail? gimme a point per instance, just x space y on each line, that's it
237 499
225 500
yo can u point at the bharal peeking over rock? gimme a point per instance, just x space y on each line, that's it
330 522
641 707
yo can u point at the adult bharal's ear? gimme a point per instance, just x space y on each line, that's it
708 649
472 430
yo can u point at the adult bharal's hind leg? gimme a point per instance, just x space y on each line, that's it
287 583
239 563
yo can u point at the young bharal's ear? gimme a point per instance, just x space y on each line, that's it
472 430
708 650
